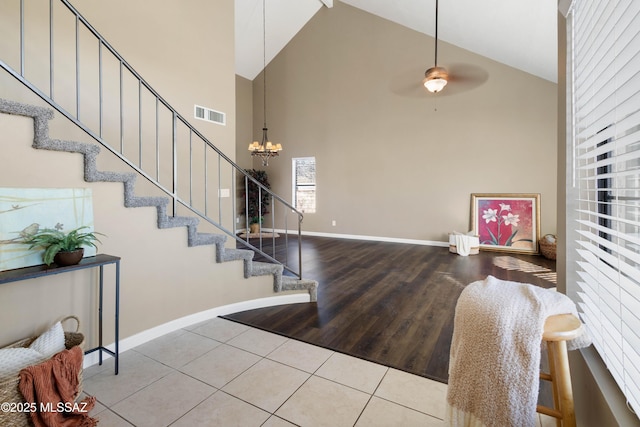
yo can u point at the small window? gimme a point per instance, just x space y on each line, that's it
304 184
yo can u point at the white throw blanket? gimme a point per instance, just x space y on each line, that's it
495 353
463 244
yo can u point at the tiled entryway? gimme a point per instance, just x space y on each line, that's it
222 373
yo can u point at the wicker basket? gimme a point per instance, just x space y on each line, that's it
9 391
547 248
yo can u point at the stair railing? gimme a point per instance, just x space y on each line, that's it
170 153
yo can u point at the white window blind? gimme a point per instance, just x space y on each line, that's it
604 89
304 184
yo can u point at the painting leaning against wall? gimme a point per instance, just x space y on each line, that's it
24 211
506 222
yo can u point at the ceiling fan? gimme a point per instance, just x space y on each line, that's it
456 77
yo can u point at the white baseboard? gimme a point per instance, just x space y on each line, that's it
160 330
373 238
362 237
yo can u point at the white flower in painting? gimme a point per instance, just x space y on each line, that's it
511 219
490 215
504 207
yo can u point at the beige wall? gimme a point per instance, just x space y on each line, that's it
392 162
187 54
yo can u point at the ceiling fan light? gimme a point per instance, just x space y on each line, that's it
435 79
435 85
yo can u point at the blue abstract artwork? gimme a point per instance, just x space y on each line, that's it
23 211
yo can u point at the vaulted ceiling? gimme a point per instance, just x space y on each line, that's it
518 33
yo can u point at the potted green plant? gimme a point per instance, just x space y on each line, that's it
258 200
62 248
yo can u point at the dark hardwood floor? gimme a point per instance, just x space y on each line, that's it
389 303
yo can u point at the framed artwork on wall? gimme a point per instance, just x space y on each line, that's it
506 222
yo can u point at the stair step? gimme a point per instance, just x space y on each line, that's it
68 146
100 176
295 284
208 239
237 254
141 202
265 268
176 221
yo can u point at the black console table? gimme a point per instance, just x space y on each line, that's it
100 261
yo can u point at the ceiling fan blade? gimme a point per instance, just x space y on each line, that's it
462 78
408 83
468 73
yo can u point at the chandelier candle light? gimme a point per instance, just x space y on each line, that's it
266 149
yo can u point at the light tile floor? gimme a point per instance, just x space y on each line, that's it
221 373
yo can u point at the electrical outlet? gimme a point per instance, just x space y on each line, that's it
224 192
333 223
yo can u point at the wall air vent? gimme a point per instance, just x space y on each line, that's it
209 115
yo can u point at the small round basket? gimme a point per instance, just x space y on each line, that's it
72 339
548 248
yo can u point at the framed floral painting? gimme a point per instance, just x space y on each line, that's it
506 222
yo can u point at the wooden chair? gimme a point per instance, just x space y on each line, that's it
558 329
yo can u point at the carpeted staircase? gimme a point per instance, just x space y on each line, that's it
41 117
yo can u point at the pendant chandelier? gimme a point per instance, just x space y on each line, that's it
435 78
265 150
